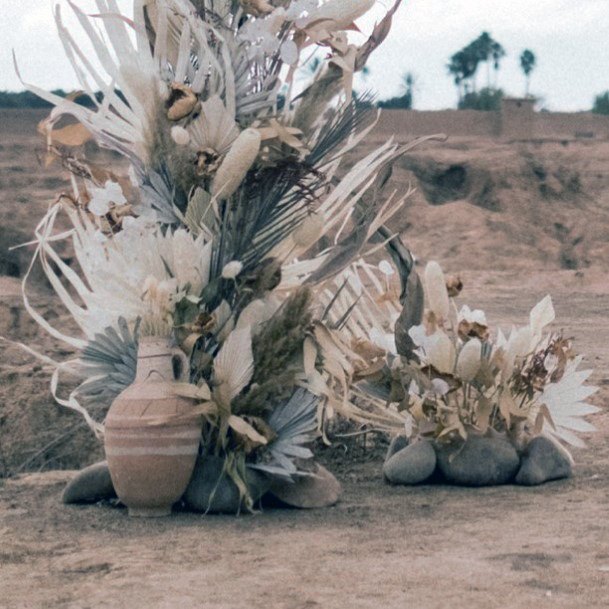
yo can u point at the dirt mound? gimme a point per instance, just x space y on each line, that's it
484 204
35 433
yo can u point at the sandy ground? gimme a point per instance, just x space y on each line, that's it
381 546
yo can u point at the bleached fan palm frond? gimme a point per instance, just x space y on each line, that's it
234 365
109 362
362 305
215 128
566 402
160 195
295 424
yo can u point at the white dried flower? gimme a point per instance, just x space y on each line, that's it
440 352
469 360
101 198
180 136
476 316
435 288
236 163
232 269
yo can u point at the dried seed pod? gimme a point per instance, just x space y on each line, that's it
454 285
469 360
236 163
208 161
182 102
265 277
180 136
440 352
232 269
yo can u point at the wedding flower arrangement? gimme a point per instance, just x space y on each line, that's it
233 210
456 375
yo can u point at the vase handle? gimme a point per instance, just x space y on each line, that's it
181 365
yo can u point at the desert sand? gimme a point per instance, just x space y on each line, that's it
516 221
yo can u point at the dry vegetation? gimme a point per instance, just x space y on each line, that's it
517 221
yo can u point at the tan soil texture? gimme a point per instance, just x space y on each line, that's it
381 546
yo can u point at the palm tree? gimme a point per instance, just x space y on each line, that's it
497 53
482 48
527 63
462 66
408 82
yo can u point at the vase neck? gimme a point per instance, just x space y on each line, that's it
154 360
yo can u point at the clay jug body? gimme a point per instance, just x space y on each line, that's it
152 437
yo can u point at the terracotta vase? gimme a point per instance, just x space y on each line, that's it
152 437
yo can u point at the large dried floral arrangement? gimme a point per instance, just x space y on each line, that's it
450 375
231 217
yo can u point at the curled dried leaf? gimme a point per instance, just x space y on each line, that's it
467 330
182 102
71 135
257 8
454 285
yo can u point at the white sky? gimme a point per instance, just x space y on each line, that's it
569 37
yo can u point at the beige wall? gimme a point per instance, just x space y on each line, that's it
579 124
473 123
451 122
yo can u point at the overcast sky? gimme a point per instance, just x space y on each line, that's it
569 37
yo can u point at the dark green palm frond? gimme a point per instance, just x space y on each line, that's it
160 193
265 210
109 360
359 113
295 423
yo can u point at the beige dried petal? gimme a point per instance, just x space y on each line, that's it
180 136
435 289
469 360
440 352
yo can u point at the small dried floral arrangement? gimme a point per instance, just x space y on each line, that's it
455 375
232 211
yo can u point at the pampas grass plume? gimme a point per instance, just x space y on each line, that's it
236 163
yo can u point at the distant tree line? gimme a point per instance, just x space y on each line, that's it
601 103
26 99
464 67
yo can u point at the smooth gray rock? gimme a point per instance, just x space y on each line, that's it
318 489
397 443
91 484
212 491
542 461
480 461
411 465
